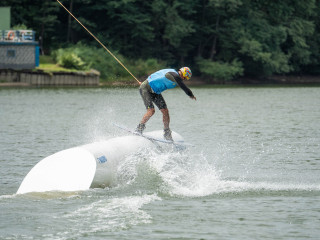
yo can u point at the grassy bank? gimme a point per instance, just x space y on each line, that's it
47 64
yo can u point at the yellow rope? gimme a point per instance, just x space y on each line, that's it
99 42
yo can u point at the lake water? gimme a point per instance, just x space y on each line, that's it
254 172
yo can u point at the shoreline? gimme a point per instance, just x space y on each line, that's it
69 79
43 78
196 85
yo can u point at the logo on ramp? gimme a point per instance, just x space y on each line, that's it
102 159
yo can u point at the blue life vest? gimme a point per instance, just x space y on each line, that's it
158 82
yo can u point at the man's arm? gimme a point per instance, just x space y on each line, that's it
176 78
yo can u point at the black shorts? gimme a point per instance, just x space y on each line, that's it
149 97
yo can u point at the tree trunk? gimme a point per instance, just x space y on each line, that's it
215 39
42 38
200 46
69 22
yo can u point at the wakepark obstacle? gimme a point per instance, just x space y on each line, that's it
92 165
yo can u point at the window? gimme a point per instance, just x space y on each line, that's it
11 53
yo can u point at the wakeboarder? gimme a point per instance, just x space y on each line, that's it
151 90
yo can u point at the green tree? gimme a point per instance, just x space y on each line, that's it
216 56
272 37
45 20
314 42
255 38
176 27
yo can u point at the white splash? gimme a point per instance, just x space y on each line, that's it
191 175
110 214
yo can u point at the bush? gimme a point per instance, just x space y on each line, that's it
220 70
143 68
81 56
69 59
20 27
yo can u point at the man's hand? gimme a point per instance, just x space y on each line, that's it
194 98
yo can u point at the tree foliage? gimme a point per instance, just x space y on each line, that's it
222 39
82 57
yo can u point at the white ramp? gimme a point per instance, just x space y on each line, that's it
69 170
92 165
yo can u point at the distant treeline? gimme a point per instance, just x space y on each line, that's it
218 39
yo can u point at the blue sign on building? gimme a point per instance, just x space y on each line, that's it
18 49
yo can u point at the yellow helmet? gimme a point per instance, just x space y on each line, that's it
186 72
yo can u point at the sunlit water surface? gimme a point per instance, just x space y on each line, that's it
254 172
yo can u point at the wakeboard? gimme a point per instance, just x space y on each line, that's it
153 139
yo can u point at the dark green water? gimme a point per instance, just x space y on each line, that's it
253 174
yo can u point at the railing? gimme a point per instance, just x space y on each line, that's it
17 36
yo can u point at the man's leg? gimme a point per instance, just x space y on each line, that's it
166 121
142 125
161 104
147 99
165 117
148 115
